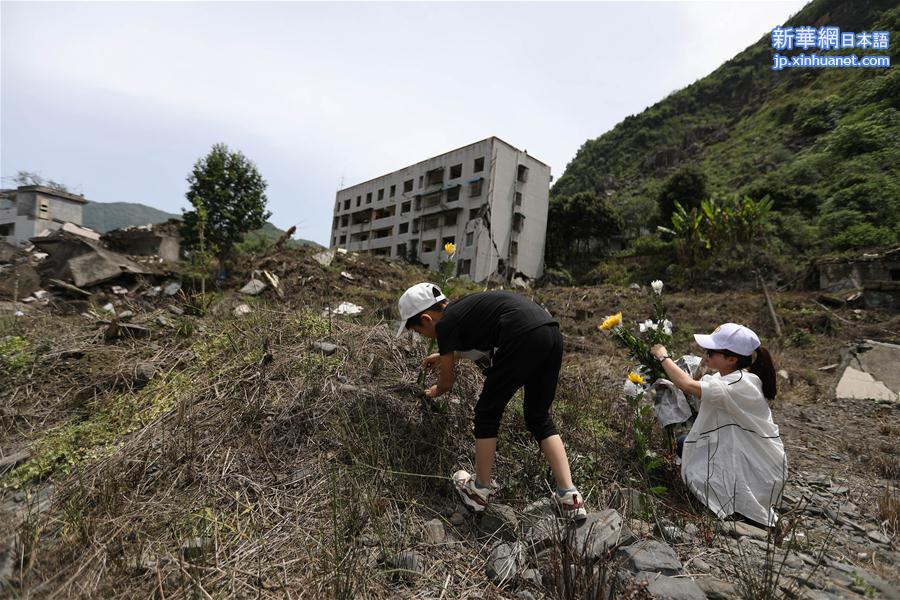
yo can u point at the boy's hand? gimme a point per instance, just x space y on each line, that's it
431 361
432 392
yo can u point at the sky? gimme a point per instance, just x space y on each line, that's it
118 100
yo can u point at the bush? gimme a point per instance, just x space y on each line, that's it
612 272
651 245
815 116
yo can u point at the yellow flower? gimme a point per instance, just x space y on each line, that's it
635 378
450 248
610 322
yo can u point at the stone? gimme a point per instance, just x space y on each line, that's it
324 258
253 287
739 529
533 576
434 532
701 565
457 519
118 290
879 537
641 528
600 532
859 385
175 310
407 566
504 563
172 288
125 314
819 480
498 520
241 310
716 588
671 588
650 555
108 307
347 276
631 501
143 373
326 348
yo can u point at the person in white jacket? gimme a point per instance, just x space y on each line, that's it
733 458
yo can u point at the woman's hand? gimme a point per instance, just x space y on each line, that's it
659 350
431 361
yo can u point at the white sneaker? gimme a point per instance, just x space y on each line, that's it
571 505
473 497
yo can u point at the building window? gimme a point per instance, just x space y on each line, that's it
456 171
474 213
475 188
369 198
453 194
393 191
518 198
404 228
347 204
358 200
431 200
522 174
344 239
463 267
405 207
450 239
513 248
450 219
345 220
401 250
431 222
43 208
518 221
479 165
428 245
8 229
381 194
435 176
421 181
407 185
470 237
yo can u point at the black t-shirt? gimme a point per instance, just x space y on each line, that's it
487 320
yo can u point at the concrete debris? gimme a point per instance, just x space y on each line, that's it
347 276
326 348
273 281
324 258
869 372
108 307
150 240
254 287
860 385
118 290
344 308
79 230
241 310
83 261
171 288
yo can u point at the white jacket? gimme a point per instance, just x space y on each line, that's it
733 458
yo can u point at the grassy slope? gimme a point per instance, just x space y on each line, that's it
753 130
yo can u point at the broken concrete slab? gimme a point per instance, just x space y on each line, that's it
859 385
147 240
83 261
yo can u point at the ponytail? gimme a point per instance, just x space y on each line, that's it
763 368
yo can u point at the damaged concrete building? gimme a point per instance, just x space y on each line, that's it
29 210
489 198
876 276
82 261
160 240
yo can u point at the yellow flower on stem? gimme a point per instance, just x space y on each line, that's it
635 378
610 322
450 248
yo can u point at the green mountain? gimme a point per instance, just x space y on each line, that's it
106 216
823 144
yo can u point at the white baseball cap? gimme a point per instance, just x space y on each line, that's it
730 336
419 297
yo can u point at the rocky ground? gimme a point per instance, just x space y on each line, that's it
252 445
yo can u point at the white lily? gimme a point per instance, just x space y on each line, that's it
657 286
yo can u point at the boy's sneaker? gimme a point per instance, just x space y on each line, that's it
473 497
571 505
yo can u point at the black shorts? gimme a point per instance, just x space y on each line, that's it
531 360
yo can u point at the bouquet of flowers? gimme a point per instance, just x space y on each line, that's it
657 330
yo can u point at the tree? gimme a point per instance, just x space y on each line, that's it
687 186
229 189
578 226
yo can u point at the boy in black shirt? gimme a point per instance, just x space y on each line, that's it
524 346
